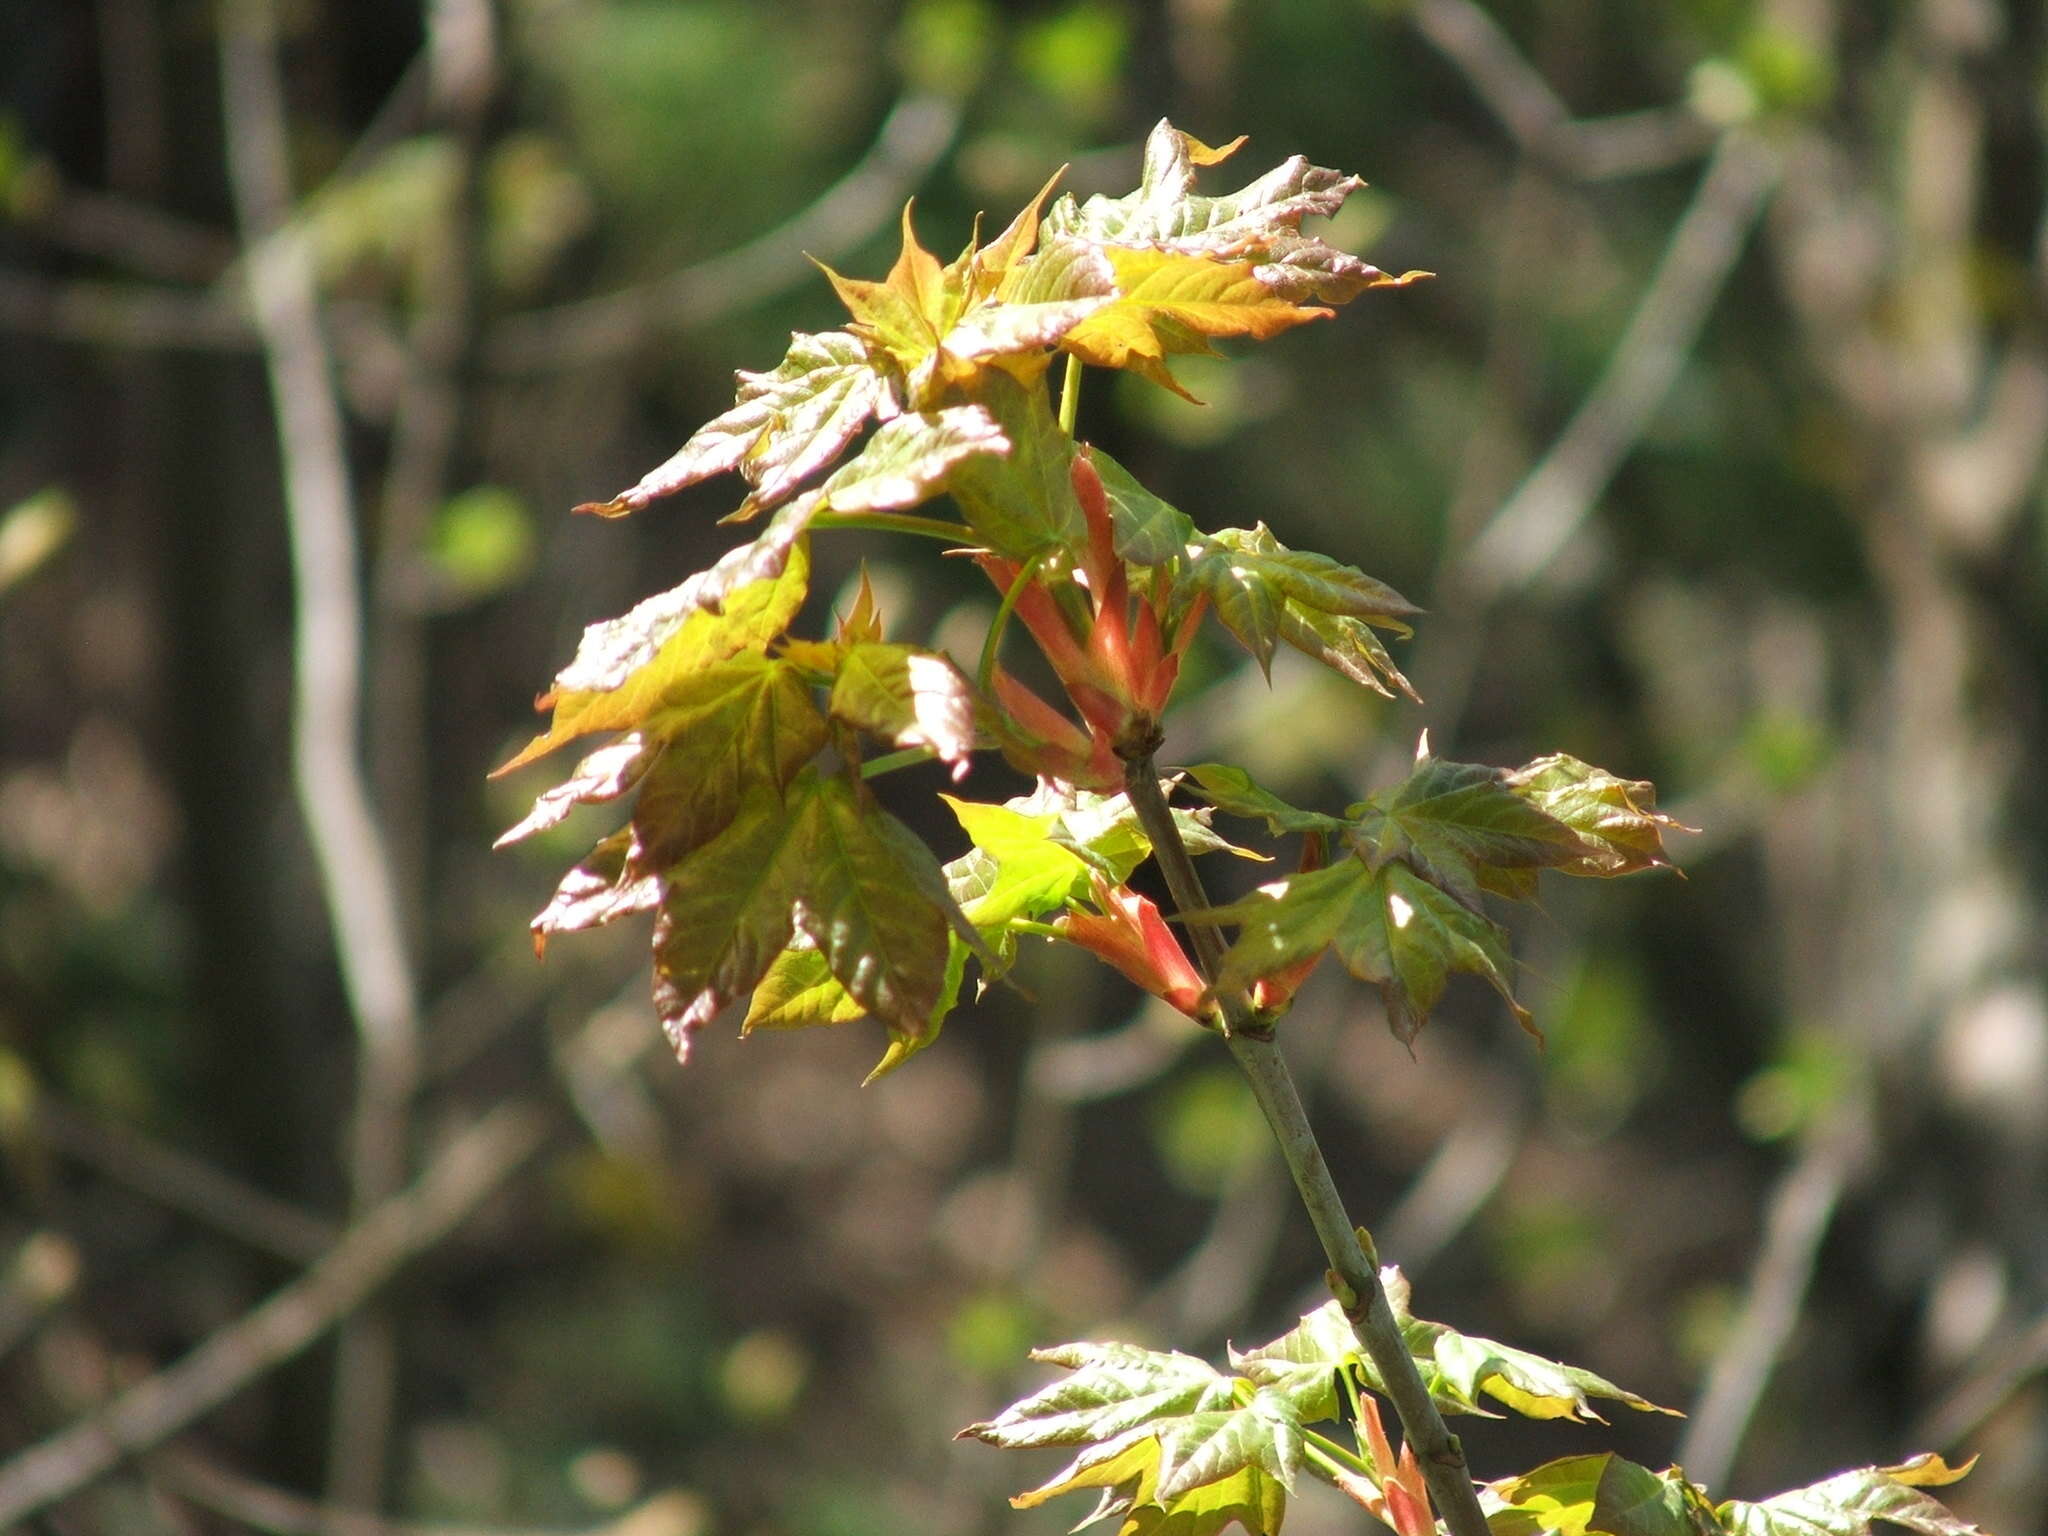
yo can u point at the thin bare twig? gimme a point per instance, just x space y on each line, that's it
472 1166
1536 522
264 1507
348 843
182 1182
1800 1211
1455 1184
916 133
2002 1367
1587 149
122 315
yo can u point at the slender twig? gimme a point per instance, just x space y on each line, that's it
181 1182
2003 1366
348 843
1354 1272
895 522
1455 1184
264 1507
119 314
1551 504
1588 149
916 133
472 1166
1800 1211
1070 395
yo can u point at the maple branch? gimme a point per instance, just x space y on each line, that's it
474 1164
917 132
1536 522
1354 1270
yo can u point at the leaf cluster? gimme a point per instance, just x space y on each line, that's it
771 871
1171 1443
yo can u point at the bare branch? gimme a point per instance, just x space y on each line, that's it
471 1167
182 1182
1587 149
1800 1210
1528 532
266 1508
916 133
348 842
2002 1367
122 315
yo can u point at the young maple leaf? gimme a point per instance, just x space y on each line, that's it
939 325
1187 268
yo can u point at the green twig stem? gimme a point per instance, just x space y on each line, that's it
896 522
1354 1275
1070 396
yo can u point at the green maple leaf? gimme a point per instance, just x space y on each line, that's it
1111 1390
1302 1365
1849 1504
1020 503
1179 1446
1148 530
909 697
1617 820
1265 593
745 721
910 459
823 858
1232 790
1016 868
1026 861
1251 1498
1466 828
799 991
1388 925
1598 1495
788 423
624 665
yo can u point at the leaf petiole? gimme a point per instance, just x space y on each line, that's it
1321 1448
1070 396
894 522
875 767
985 669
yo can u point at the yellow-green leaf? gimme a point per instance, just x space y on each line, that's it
624 665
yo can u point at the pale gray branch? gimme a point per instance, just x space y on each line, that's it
181 1182
916 133
264 1507
473 1165
1587 149
1801 1209
1536 522
348 842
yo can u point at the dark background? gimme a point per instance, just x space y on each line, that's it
1714 450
